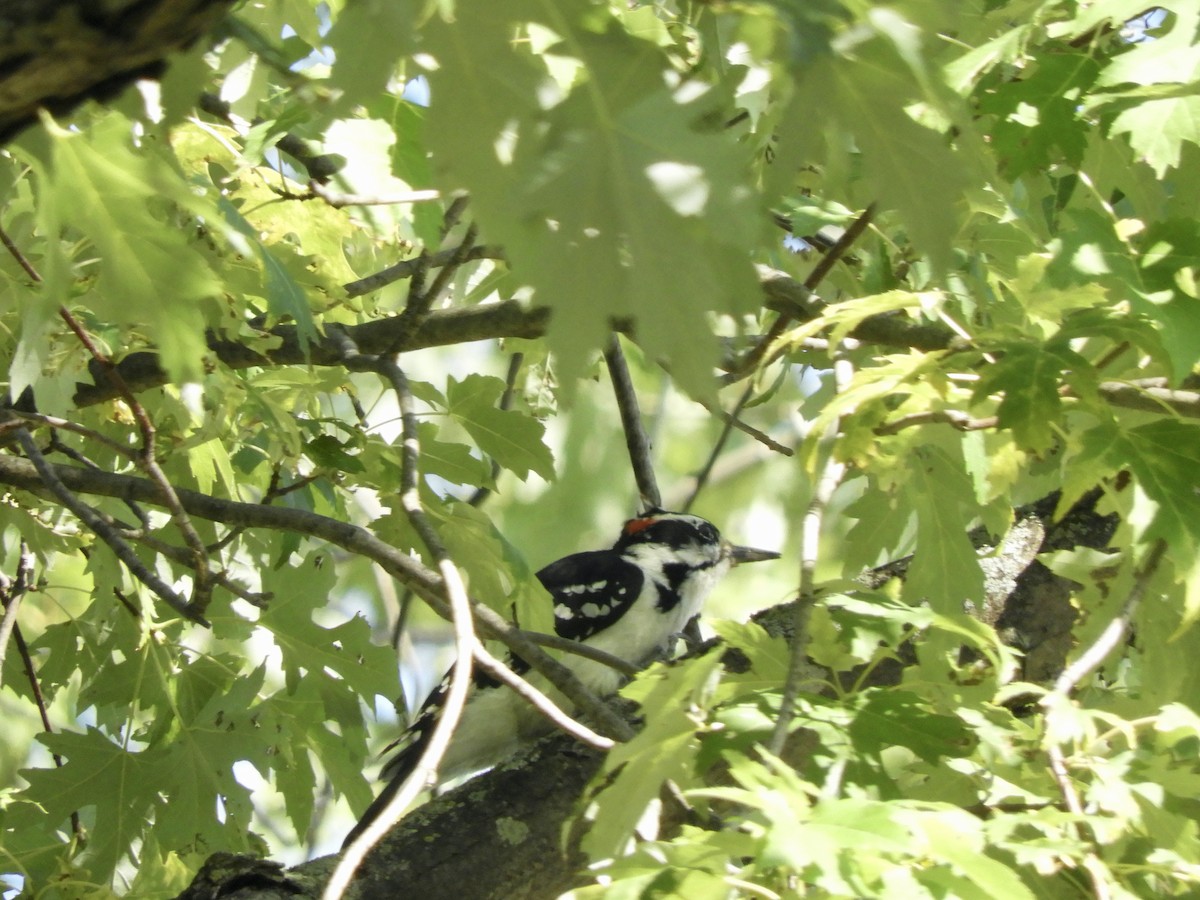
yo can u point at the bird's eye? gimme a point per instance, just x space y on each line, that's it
709 533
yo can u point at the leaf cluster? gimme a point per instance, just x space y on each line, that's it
886 274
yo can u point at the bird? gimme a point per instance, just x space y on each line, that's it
632 600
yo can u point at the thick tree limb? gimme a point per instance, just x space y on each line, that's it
509 318
55 54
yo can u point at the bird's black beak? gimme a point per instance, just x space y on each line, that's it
741 555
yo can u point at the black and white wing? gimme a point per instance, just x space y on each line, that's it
591 591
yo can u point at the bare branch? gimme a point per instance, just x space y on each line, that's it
339 200
799 667
959 420
148 462
184 558
425 771
823 267
631 421
1151 399
12 592
1116 630
406 268
39 699
21 419
509 318
48 476
709 464
420 298
762 437
539 700
566 645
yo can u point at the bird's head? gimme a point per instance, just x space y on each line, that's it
681 539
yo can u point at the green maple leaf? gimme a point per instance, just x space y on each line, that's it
1164 457
150 274
1028 376
944 571
511 438
308 648
109 785
866 86
584 192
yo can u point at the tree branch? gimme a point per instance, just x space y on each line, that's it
12 592
425 771
509 318
636 439
59 53
463 253
758 353
20 473
829 477
48 476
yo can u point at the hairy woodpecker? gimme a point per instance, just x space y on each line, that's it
631 601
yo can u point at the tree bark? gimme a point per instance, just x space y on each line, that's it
55 54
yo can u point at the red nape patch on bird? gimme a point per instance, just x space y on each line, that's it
633 526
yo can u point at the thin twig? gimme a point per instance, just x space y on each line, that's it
420 300
448 271
539 701
810 541
1060 695
338 200
505 403
407 267
148 462
21 419
39 699
274 492
631 421
1116 630
822 268
718 448
184 558
959 420
93 520
12 592
24 263
425 771
566 645
57 446
1150 399
762 437
1092 864
453 213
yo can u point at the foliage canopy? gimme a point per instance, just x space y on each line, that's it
938 259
